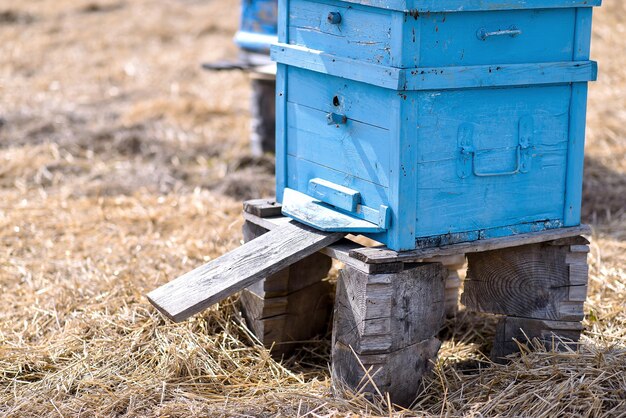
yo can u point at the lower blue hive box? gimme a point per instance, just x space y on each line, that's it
428 123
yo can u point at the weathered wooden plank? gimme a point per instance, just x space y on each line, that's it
575 241
578 274
270 329
257 307
340 250
384 330
268 223
373 255
299 275
197 290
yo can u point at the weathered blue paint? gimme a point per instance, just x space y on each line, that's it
399 39
425 6
438 78
578 113
315 212
281 130
423 129
334 194
258 25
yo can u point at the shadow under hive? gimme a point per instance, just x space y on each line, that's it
424 123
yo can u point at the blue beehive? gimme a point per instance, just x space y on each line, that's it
429 122
258 25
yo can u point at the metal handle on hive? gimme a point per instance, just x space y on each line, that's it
334 18
483 35
518 166
467 156
336 119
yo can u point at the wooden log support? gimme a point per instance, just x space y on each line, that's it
554 335
541 288
389 306
290 306
384 329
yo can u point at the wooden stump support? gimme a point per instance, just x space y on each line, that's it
384 329
539 288
389 306
290 306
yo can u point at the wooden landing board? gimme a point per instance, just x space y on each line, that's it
266 255
339 250
376 255
365 258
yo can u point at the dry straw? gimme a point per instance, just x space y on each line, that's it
122 165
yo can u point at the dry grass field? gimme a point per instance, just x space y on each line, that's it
122 165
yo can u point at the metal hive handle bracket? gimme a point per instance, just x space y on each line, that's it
498 173
466 163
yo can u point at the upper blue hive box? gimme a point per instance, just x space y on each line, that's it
428 122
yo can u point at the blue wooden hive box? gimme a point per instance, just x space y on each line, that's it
429 122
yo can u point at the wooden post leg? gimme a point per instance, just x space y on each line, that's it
384 329
290 306
541 288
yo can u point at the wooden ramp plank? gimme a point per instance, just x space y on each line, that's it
266 255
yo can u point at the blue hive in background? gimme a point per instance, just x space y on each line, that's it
258 26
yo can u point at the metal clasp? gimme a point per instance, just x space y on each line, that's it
334 18
483 35
336 119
